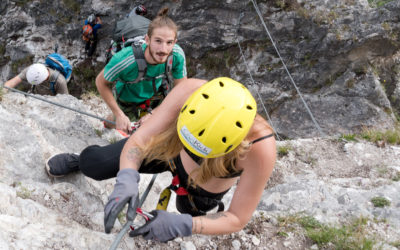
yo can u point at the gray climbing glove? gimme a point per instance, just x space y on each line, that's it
165 226
125 191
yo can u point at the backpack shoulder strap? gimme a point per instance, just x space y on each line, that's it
141 62
168 82
53 79
168 66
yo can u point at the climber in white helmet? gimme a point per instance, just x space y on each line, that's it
39 73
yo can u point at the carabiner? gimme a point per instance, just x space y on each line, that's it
142 219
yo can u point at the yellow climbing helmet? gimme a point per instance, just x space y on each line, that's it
216 118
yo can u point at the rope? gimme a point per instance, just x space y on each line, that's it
252 80
287 71
127 225
60 105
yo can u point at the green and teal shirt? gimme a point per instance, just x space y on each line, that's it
123 68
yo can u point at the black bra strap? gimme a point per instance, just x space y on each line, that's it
262 138
194 157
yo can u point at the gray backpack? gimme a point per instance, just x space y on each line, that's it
130 27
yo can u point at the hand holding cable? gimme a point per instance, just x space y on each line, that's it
123 123
125 191
165 226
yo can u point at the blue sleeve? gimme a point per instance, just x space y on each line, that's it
86 22
96 26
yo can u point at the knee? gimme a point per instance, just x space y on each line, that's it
87 162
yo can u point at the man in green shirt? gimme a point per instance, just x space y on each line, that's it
123 69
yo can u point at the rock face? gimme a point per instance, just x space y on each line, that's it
342 55
334 181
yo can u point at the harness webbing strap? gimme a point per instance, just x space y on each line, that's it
141 62
53 79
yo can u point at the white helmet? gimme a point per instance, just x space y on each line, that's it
91 18
37 73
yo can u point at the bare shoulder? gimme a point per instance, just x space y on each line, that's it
262 152
259 129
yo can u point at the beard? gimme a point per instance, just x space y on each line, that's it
159 57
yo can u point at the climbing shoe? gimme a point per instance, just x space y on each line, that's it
62 164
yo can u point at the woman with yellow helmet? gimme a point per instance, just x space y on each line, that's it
209 136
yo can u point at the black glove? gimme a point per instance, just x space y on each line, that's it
125 191
165 226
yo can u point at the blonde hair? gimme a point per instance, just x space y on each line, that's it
162 20
167 145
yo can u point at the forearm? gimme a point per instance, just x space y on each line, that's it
12 83
218 223
107 95
131 155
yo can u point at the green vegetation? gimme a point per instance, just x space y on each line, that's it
350 83
283 150
1 93
2 49
386 26
113 140
24 193
332 16
84 76
309 222
191 69
378 3
349 137
391 136
23 62
98 132
282 234
73 5
87 74
396 178
361 69
308 61
3 59
219 62
380 201
349 236
213 61
21 2
345 237
122 218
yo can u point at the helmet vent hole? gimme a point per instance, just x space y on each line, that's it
205 96
228 148
238 124
183 109
221 84
249 107
224 139
192 111
201 132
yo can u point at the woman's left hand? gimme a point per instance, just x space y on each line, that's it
165 226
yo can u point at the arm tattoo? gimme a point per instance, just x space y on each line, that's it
216 216
135 156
